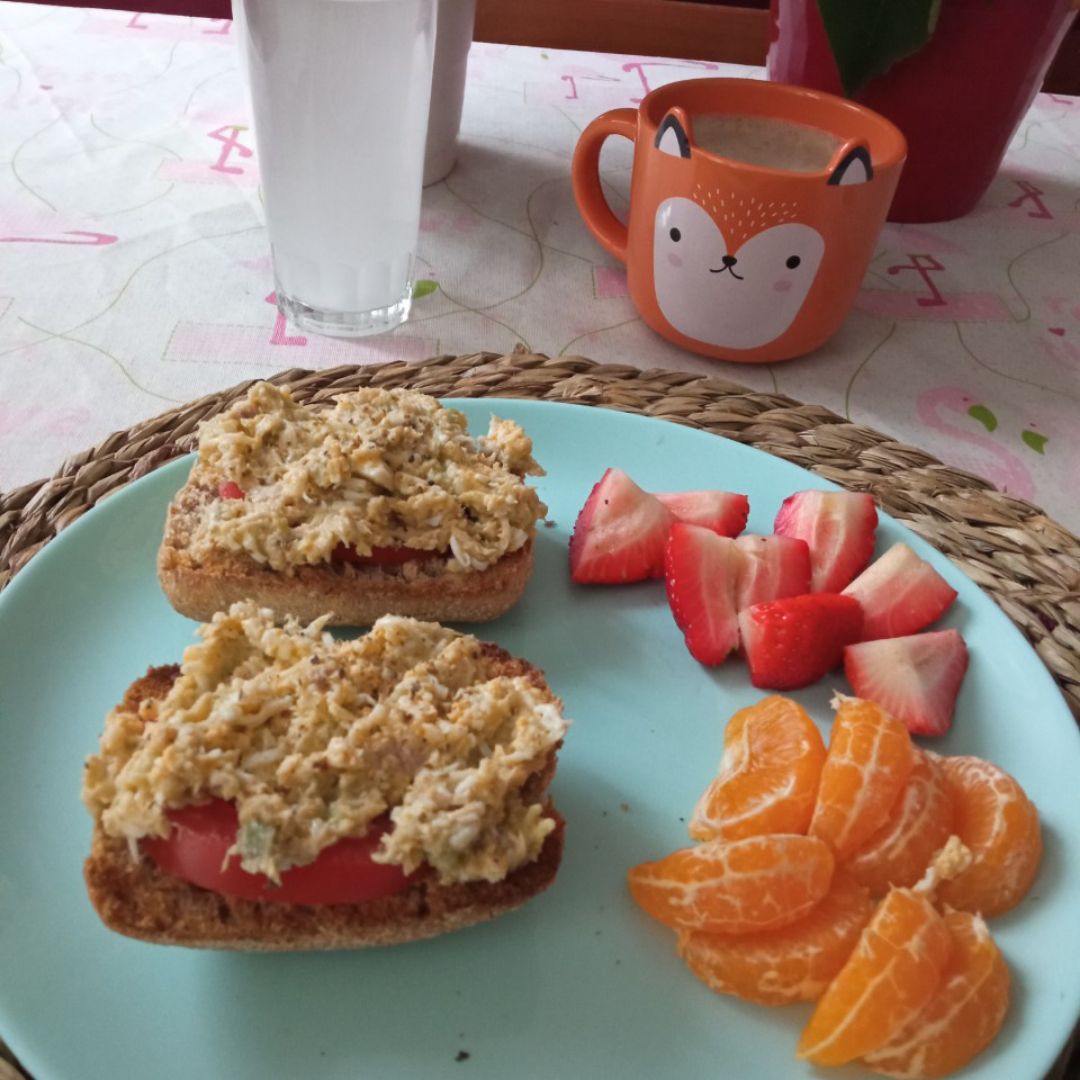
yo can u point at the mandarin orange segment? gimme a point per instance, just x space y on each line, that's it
760 883
962 1017
868 763
794 963
998 823
894 971
768 776
919 824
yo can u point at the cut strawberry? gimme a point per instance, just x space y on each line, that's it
620 533
839 528
794 642
722 511
229 489
381 555
916 678
900 594
773 567
701 570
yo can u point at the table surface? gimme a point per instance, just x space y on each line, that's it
135 272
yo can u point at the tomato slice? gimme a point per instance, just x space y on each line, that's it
384 555
229 489
342 874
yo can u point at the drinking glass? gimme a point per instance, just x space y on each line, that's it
340 93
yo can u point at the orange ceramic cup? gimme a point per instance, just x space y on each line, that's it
736 261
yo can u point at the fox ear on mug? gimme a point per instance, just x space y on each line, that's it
853 168
671 137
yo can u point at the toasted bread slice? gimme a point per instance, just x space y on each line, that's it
135 898
356 595
139 900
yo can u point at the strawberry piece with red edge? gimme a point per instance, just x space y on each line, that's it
620 533
916 678
724 512
838 527
773 567
795 641
900 594
701 571
230 489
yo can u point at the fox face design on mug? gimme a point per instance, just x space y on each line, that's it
733 269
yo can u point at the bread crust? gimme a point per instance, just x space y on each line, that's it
356 595
135 898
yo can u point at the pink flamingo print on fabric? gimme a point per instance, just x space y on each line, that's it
640 65
92 239
1055 436
924 266
978 453
1064 354
59 423
229 136
1034 194
572 74
280 334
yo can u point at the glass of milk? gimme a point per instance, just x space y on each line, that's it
340 91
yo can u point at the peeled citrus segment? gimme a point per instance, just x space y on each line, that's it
760 883
919 824
962 1017
768 776
868 763
894 971
998 823
794 963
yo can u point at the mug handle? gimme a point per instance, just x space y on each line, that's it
585 175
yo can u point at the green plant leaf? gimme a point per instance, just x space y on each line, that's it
1036 441
984 416
868 36
424 287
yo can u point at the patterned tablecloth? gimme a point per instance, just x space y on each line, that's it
134 271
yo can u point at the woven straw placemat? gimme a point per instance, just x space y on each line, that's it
1026 561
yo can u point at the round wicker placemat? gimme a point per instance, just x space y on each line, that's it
1011 549
1025 560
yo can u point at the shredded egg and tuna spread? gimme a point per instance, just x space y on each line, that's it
313 738
379 468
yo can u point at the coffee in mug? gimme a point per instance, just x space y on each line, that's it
765 141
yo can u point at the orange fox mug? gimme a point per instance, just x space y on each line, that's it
754 210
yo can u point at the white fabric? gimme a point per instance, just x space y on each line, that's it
134 273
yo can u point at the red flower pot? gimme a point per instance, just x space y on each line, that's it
958 100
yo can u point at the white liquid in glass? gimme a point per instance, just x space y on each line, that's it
340 91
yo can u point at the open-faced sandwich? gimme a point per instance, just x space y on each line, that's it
284 790
381 503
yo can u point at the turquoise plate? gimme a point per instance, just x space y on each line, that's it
578 983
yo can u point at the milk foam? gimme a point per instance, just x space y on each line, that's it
765 140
